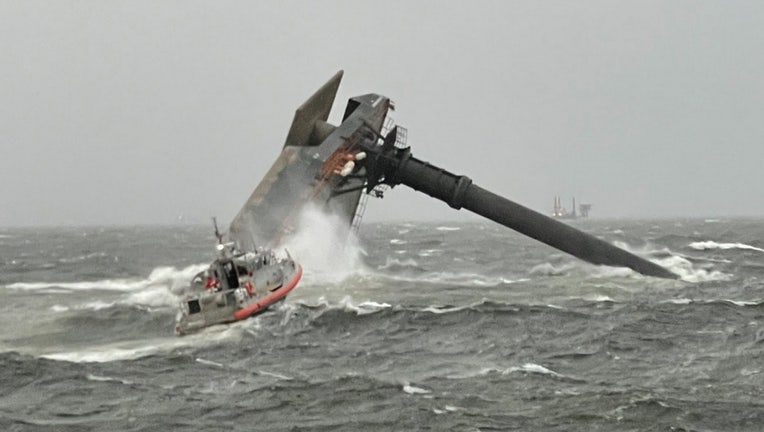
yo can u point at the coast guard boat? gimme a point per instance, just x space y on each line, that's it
236 286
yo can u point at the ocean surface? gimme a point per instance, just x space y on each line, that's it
414 326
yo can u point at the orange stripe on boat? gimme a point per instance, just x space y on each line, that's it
271 298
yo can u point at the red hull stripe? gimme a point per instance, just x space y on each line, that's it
270 298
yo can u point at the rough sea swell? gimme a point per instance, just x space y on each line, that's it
423 326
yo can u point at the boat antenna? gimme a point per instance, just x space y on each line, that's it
218 235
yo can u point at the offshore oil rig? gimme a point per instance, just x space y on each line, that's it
560 212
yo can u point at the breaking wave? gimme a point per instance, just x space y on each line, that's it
132 350
589 270
448 278
708 245
158 291
687 271
169 277
738 303
528 368
362 308
533 368
678 264
548 269
324 248
395 264
413 390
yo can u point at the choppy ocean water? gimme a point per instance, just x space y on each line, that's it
419 326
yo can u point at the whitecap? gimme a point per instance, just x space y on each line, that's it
741 302
688 273
363 308
169 277
709 244
398 242
209 362
136 349
81 258
599 298
678 301
96 305
513 281
447 228
567 392
472 373
465 279
547 269
534 368
613 272
274 375
152 297
394 262
408 388
446 409
443 310
102 355
105 285
99 378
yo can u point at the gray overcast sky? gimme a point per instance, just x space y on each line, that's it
125 112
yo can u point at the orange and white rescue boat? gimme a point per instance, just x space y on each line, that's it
236 286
